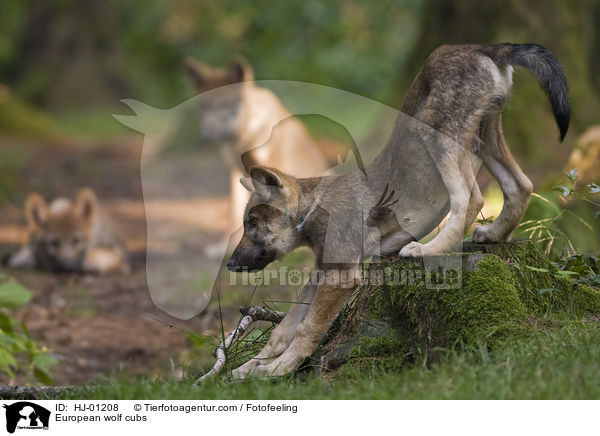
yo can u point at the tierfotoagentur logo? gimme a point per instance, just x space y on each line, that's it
25 415
436 274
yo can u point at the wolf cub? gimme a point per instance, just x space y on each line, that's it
69 237
250 123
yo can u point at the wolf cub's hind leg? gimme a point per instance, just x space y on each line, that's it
515 185
453 161
473 208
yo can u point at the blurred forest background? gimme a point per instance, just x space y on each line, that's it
74 56
66 64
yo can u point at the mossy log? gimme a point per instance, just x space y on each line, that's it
418 307
33 392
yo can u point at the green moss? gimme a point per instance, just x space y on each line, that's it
513 291
486 303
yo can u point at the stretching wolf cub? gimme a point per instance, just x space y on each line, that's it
451 118
69 237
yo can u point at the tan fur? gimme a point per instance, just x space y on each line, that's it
71 237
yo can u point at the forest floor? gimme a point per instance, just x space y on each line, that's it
108 324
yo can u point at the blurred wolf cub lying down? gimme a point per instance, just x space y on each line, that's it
69 237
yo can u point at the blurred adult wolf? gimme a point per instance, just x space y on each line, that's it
69 237
240 118
427 169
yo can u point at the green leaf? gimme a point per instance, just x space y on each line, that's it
533 268
44 361
6 324
572 175
42 376
545 290
7 361
12 295
19 342
7 341
566 273
563 190
592 280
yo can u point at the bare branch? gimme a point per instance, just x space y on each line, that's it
250 314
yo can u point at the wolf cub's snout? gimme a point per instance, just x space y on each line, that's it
66 236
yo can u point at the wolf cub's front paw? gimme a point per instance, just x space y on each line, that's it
241 372
413 249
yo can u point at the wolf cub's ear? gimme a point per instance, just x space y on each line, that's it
240 70
247 183
36 211
269 183
200 74
86 205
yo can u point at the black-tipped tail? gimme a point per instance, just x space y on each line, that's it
548 70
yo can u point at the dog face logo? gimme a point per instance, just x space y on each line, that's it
26 415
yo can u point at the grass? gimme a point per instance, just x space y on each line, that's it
553 363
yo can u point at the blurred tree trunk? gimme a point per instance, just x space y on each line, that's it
454 22
67 51
594 47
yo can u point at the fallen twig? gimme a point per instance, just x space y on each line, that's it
250 315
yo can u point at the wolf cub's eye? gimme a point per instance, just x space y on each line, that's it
252 222
76 240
